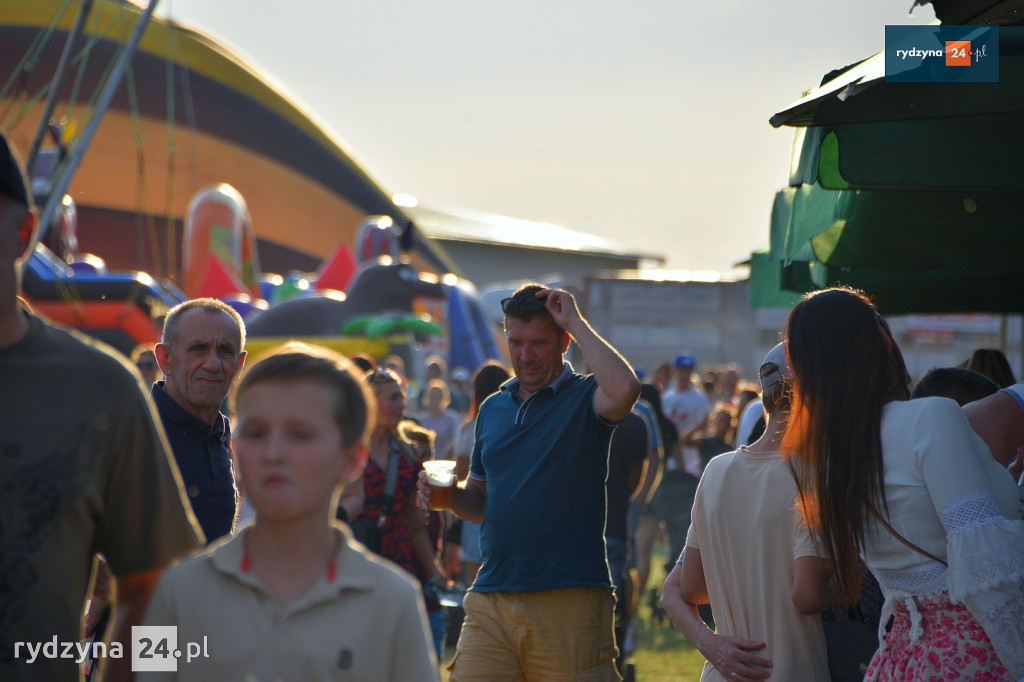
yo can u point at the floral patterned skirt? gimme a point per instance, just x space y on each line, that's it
953 646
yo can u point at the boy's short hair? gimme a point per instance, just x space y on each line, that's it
355 407
961 384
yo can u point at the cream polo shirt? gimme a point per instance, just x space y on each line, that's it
367 623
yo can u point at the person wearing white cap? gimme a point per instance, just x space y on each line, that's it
749 554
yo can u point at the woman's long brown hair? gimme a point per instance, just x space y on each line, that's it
846 367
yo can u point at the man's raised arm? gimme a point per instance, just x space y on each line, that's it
618 387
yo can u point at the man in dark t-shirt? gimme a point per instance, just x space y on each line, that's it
84 470
628 461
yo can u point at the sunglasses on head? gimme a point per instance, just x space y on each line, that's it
514 304
382 375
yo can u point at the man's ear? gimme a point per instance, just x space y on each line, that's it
565 341
162 354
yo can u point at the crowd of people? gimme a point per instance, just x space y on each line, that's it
279 511
857 482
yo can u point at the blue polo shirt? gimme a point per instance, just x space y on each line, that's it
201 451
545 461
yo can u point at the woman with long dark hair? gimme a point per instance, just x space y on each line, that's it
908 485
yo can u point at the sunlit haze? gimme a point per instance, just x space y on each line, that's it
643 122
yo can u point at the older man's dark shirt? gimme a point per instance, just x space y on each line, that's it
201 451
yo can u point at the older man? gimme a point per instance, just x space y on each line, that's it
200 353
84 470
542 604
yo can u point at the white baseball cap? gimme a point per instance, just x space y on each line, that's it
774 368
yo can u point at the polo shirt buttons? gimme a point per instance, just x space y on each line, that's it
193 491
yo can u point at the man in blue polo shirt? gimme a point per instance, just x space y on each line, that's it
542 605
200 353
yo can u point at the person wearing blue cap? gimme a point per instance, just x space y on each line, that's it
85 471
686 407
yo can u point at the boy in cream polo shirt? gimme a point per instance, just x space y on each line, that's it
293 596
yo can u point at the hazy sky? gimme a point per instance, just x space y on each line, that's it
645 122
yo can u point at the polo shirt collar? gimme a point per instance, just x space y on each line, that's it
512 385
176 414
353 569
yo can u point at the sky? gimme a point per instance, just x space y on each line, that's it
644 122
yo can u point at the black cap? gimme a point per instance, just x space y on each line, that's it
12 177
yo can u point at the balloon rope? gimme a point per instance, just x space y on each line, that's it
171 225
28 62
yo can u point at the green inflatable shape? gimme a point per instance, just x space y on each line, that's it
358 324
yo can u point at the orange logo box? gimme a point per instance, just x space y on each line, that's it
958 53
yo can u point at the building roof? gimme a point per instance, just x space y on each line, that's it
460 224
670 275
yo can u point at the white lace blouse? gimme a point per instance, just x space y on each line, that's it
948 496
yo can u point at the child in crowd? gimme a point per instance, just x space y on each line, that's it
439 419
293 596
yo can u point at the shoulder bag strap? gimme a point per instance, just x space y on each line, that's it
394 454
390 481
902 539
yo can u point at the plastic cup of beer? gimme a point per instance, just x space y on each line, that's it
440 479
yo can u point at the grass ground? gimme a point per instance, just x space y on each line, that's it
662 654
